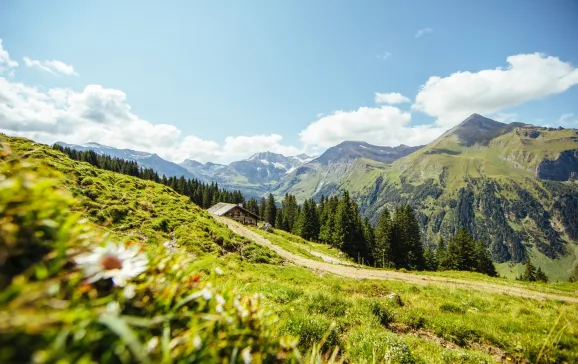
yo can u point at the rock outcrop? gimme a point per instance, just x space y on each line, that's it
564 168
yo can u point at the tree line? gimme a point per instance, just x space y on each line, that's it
203 194
395 242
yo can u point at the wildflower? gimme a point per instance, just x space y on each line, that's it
129 291
113 308
197 343
207 294
246 355
113 261
152 344
219 309
220 300
219 271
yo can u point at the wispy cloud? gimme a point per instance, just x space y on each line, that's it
390 98
6 64
423 32
55 67
384 56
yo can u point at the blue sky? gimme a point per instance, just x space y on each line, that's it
221 80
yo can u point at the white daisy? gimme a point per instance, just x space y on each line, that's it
197 343
246 355
113 261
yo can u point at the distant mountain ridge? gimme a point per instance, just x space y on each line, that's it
144 159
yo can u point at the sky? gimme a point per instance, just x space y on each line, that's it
220 80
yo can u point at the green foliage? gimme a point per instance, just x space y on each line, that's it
380 310
200 193
332 306
270 210
531 274
34 216
173 312
464 253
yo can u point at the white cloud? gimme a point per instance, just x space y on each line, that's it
55 67
505 117
528 77
7 65
390 98
384 56
385 125
102 115
423 32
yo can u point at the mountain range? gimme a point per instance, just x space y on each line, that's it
513 186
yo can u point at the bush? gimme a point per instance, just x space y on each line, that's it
328 305
311 330
380 311
414 319
377 346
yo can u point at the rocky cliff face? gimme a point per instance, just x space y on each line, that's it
564 168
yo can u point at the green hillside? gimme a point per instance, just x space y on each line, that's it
196 301
316 179
487 181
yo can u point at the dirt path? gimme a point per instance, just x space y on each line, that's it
330 259
362 273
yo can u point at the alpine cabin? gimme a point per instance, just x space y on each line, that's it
235 212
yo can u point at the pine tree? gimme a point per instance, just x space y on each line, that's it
369 237
382 250
270 210
253 206
262 206
416 259
441 252
485 264
431 260
529 271
541 276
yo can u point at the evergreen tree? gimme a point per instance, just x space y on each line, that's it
529 271
290 210
253 206
262 206
270 210
441 253
328 221
369 237
382 251
280 222
431 260
485 264
416 259
541 276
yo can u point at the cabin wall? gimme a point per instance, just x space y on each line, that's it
241 216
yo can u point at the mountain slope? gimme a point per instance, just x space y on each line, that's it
350 165
510 185
144 159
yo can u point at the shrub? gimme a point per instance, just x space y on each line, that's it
414 319
328 305
381 312
371 345
311 330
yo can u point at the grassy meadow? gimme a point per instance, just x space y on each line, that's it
210 296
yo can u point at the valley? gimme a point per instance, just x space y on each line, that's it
512 186
316 306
